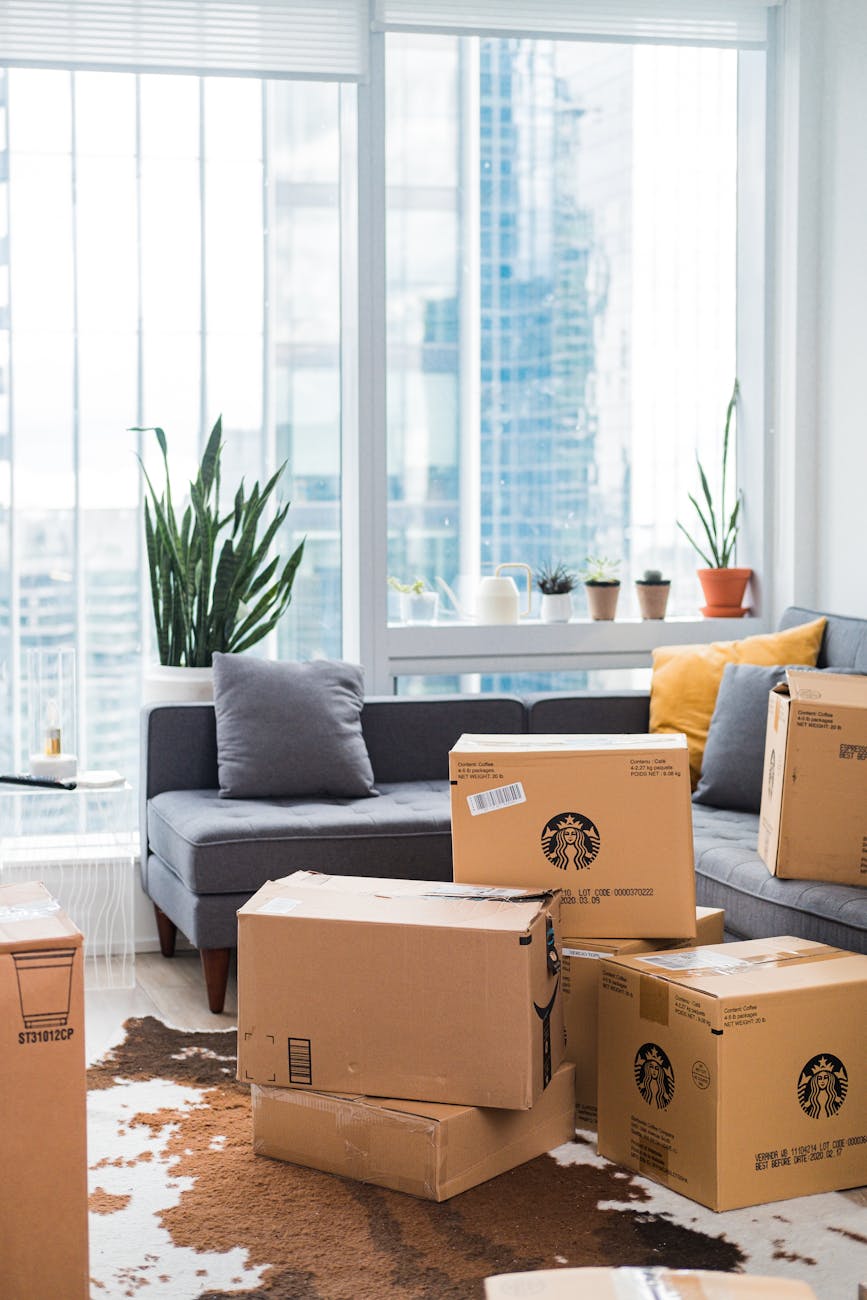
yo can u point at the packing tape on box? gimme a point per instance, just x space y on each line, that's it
18 912
655 1284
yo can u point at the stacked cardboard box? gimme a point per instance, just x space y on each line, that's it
736 1073
582 968
640 1284
376 1018
43 1151
605 819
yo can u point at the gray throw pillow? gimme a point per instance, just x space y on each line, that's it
731 770
288 730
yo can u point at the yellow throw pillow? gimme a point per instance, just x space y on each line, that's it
686 678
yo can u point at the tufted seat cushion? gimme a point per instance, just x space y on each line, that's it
730 874
219 846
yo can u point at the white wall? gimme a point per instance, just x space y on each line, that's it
842 291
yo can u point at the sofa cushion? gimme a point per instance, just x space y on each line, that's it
286 730
730 874
219 845
686 678
731 768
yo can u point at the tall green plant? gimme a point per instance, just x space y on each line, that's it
721 533
211 595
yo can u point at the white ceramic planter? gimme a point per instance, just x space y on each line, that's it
177 685
556 607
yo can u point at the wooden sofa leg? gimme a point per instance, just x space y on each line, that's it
167 931
215 964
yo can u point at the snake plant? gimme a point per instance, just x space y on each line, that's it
212 584
720 533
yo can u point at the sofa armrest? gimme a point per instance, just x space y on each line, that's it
589 713
178 752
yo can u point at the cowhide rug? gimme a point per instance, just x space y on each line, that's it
180 1206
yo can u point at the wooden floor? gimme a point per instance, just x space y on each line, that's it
172 989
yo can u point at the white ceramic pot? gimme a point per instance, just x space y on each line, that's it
165 685
556 607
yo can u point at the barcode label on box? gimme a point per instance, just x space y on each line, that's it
502 796
300 1061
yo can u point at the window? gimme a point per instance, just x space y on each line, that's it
561 300
156 239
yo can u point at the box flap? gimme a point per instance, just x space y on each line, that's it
31 918
827 688
589 743
752 967
307 894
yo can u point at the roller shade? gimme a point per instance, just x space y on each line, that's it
684 22
262 38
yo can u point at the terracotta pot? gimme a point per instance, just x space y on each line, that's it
652 598
602 599
724 591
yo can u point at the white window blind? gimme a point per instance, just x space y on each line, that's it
688 22
263 38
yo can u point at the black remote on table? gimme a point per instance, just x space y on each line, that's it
44 782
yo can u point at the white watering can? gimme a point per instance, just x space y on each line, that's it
497 599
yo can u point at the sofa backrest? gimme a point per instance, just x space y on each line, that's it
408 737
588 713
844 644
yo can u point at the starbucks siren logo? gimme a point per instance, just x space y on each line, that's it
570 840
654 1077
822 1086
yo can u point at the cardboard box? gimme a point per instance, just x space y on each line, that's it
581 970
400 988
43 1150
736 1074
642 1284
425 1148
813 819
607 819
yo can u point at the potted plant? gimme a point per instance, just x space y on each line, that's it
722 583
556 584
418 604
602 586
652 591
213 587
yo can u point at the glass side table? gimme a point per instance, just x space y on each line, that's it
81 845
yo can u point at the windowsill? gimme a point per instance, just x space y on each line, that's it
532 646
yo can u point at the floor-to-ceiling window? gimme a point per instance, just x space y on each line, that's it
170 250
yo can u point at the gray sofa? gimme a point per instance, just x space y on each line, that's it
203 856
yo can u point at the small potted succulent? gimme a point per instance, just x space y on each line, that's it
602 586
652 591
556 584
418 604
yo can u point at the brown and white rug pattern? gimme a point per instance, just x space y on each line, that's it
181 1208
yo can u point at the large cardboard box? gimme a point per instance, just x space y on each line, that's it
400 988
607 819
642 1284
737 1073
43 1150
813 819
426 1148
582 967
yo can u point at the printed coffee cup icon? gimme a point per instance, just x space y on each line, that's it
44 985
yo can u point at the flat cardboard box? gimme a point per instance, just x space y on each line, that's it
425 1148
582 967
43 1149
737 1073
400 988
813 818
642 1284
607 819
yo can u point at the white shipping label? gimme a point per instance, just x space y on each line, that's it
502 796
584 952
696 959
280 906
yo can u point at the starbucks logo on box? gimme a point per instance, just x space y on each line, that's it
654 1076
822 1086
570 840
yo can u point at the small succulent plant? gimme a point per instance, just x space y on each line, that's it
415 588
554 579
600 571
653 578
